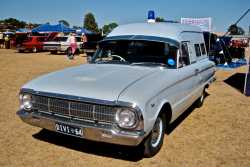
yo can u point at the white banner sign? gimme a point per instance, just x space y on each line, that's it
204 23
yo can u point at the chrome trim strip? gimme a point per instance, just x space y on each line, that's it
69 108
177 82
207 68
49 105
94 118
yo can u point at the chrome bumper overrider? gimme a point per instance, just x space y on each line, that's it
93 132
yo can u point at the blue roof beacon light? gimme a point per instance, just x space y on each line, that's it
151 16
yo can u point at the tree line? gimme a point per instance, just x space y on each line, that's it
12 23
89 23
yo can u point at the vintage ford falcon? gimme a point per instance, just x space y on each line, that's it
142 77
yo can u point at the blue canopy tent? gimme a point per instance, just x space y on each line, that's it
53 28
8 33
23 30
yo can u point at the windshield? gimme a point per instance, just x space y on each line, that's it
136 52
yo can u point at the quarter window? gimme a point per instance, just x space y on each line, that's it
197 50
203 50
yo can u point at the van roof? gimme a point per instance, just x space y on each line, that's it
164 30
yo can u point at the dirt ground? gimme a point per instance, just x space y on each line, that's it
217 134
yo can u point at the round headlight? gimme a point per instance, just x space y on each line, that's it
26 102
126 118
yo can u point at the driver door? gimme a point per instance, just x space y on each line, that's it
188 78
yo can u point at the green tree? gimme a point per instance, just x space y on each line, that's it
159 19
14 23
108 28
90 23
64 22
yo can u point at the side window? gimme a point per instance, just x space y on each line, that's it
197 50
184 55
203 50
78 39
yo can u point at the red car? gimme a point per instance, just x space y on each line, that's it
33 44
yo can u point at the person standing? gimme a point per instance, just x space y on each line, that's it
84 38
73 46
7 42
1 40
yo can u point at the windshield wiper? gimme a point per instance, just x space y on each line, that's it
111 62
149 64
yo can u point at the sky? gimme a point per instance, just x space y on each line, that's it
223 12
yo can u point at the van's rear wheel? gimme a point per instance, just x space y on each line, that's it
154 141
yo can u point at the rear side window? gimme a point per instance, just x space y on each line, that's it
203 50
184 56
197 50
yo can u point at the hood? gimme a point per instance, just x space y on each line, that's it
97 81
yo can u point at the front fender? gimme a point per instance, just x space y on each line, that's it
152 110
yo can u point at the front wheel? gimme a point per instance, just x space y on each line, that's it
154 141
34 49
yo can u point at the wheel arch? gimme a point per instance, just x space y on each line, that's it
207 86
166 110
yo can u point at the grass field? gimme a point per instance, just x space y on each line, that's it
217 134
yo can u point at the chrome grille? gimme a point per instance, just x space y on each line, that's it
81 110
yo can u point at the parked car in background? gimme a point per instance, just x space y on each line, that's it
32 44
142 77
61 44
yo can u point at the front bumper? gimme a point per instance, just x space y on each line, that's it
91 132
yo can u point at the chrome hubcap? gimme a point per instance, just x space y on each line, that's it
156 133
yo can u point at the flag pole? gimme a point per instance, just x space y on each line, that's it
246 76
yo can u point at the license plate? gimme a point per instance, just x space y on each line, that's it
67 129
